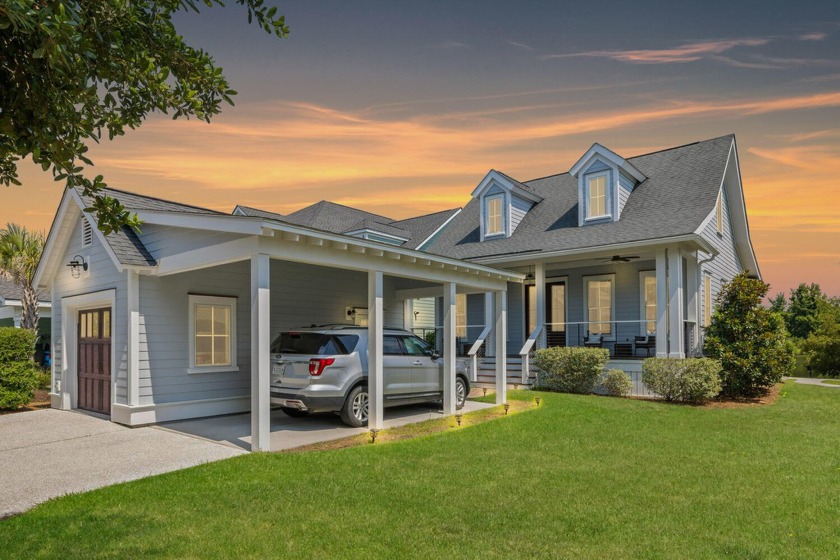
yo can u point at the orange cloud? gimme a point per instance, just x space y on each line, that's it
684 53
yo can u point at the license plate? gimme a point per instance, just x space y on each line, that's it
278 369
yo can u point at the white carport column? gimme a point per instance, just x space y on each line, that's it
501 347
133 301
539 282
449 348
661 304
489 319
375 381
260 353
676 347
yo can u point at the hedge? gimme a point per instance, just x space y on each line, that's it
570 370
19 375
691 380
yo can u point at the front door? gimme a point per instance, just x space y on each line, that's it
94 360
555 312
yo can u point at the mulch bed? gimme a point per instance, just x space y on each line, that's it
768 398
41 399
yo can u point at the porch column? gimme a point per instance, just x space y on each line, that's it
676 346
260 353
449 348
133 297
661 304
408 315
375 381
539 281
489 319
501 347
692 312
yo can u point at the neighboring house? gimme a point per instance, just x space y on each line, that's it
175 321
11 308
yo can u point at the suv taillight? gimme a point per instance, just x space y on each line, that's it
317 365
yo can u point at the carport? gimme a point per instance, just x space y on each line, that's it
273 249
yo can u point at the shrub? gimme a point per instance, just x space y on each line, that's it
19 375
750 341
617 383
692 380
823 351
570 370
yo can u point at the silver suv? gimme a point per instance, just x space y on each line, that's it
325 369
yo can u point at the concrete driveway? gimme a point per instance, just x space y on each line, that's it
48 453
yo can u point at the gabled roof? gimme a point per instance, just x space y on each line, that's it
598 150
497 177
242 210
423 227
678 194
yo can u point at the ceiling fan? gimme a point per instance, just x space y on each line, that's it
619 258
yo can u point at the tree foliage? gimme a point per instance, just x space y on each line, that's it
750 340
73 71
822 347
20 252
803 309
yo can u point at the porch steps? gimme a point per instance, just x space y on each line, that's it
486 378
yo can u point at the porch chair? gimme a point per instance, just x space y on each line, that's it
593 341
647 342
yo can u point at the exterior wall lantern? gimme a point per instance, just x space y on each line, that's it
77 265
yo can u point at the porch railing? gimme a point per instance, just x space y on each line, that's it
477 347
525 353
620 337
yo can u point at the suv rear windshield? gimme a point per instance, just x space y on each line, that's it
314 343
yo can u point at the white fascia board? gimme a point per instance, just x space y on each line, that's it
54 242
228 223
494 175
18 303
357 232
701 243
599 150
396 250
95 227
741 228
439 229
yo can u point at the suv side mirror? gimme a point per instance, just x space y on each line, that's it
435 354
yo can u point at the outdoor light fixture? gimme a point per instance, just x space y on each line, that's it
485 391
77 265
530 275
507 407
373 433
458 418
416 313
537 400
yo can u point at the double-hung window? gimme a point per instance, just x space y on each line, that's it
212 325
596 201
461 315
495 224
647 299
599 297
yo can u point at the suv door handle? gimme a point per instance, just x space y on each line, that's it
418 363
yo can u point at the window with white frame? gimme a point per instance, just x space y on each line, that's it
461 315
596 202
599 304
647 299
212 323
495 224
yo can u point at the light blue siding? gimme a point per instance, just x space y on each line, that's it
726 264
102 275
625 187
518 208
596 167
424 309
495 189
475 316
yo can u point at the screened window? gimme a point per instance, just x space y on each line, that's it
599 305
597 201
495 222
648 302
461 315
212 333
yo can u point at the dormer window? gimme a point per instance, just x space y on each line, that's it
495 218
596 187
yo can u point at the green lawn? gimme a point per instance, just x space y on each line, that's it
579 477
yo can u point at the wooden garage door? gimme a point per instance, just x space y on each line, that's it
94 371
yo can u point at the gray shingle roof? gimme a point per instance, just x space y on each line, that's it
10 290
337 218
125 244
680 192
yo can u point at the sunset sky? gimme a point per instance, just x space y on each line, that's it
400 108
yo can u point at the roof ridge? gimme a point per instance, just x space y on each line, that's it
352 208
427 215
162 200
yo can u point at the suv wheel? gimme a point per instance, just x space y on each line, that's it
460 393
356 407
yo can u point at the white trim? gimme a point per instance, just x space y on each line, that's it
221 301
707 298
600 278
597 150
439 229
367 231
506 184
70 307
133 343
142 415
52 238
486 202
643 274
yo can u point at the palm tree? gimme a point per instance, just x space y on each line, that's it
20 252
